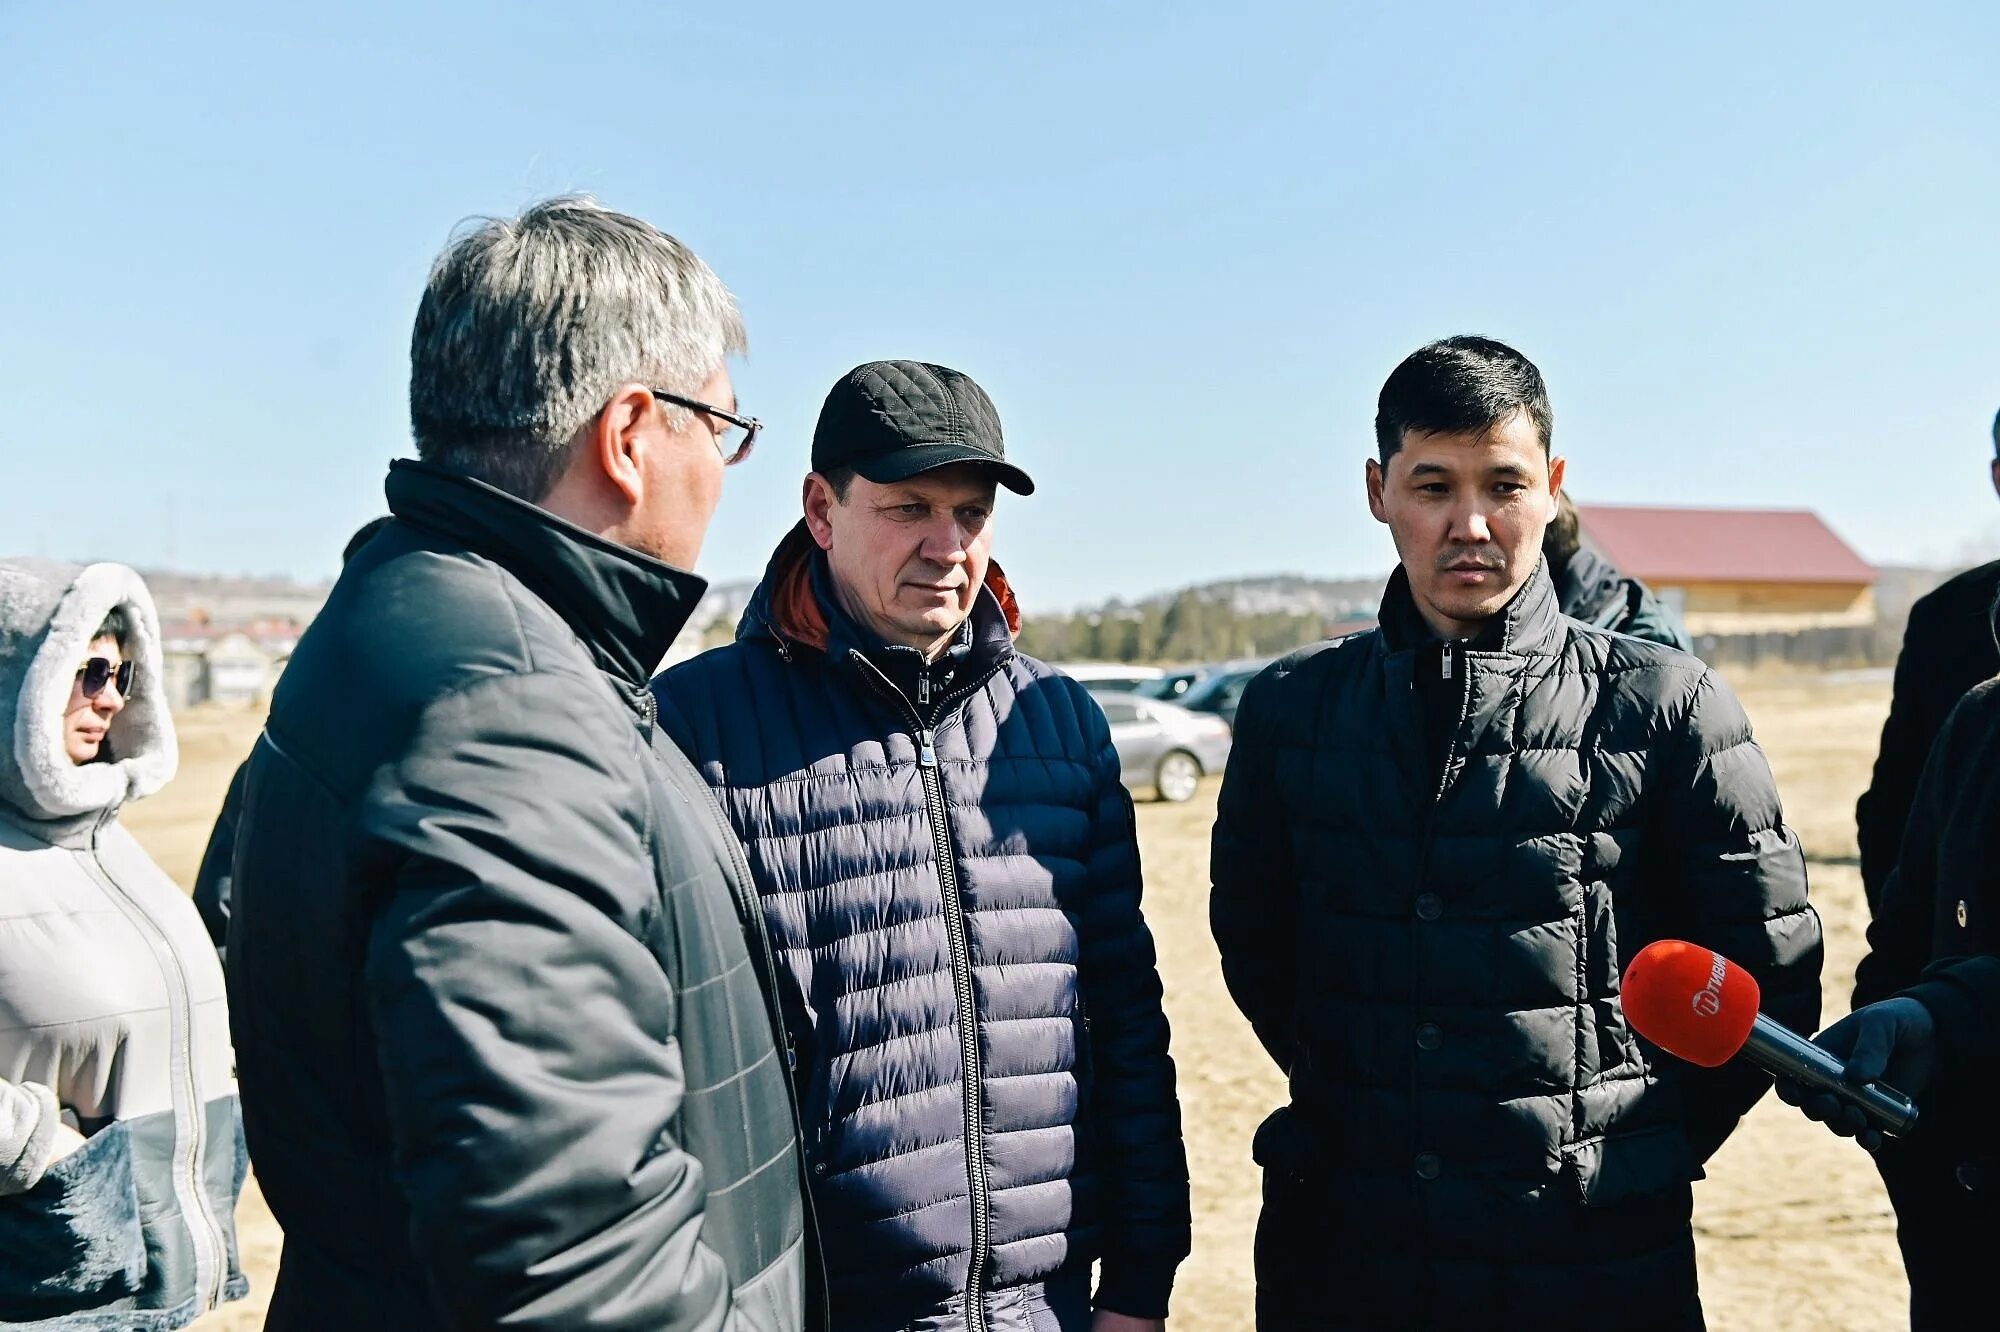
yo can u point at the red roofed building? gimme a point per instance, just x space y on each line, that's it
1737 571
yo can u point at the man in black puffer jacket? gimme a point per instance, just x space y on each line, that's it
501 998
1438 843
949 872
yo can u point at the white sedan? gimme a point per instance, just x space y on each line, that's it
1162 745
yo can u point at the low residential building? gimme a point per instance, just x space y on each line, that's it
231 665
1737 571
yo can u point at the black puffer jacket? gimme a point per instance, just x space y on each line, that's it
1474 1130
497 973
950 875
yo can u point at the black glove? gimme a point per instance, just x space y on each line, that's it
1893 1042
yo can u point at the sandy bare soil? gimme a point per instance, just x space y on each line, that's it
1794 1230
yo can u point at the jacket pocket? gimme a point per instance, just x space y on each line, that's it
74 1241
1286 1147
1626 1167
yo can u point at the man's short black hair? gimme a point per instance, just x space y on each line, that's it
1459 384
1996 434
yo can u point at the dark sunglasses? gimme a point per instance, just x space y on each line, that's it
99 672
738 434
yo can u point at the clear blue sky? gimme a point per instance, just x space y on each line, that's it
1756 254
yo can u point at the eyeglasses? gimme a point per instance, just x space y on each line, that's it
738 434
99 672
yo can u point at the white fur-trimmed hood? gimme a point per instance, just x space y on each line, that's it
48 612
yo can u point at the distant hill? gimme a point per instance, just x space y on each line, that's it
1291 594
1215 621
1226 617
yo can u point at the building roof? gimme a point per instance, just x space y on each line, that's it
1664 546
274 636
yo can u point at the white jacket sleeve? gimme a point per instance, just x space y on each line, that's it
28 1119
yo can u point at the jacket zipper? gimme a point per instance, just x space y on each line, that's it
1451 666
210 1238
924 732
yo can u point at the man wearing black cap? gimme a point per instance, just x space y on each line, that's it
950 878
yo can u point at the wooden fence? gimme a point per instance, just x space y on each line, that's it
1809 649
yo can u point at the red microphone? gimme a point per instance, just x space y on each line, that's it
1699 1006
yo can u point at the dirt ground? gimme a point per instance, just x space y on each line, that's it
1794 1231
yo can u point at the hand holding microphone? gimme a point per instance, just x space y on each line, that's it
1894 1040
1701 1007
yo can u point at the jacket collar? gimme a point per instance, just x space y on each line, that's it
626 607
1530 624
73 832
795 606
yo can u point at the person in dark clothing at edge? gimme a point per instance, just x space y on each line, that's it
1948 647
951 879
1929 830
1592 589
213 881
507 1042
1927 1022
1437 844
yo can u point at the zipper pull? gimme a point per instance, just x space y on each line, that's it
927 749
923 687
1444 658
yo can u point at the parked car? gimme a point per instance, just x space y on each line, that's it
1109 677
1219 691
1173 682
1163 746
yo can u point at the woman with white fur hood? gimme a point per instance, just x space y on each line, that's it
120 1151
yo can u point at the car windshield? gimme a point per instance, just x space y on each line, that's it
1202 692
1213 690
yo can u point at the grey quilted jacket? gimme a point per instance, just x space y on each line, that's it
499 985
111 1002
949 871
1432 952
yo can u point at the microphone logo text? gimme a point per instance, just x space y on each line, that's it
1708 999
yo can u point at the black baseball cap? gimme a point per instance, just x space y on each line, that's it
891 420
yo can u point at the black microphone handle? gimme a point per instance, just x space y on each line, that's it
1787 1054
